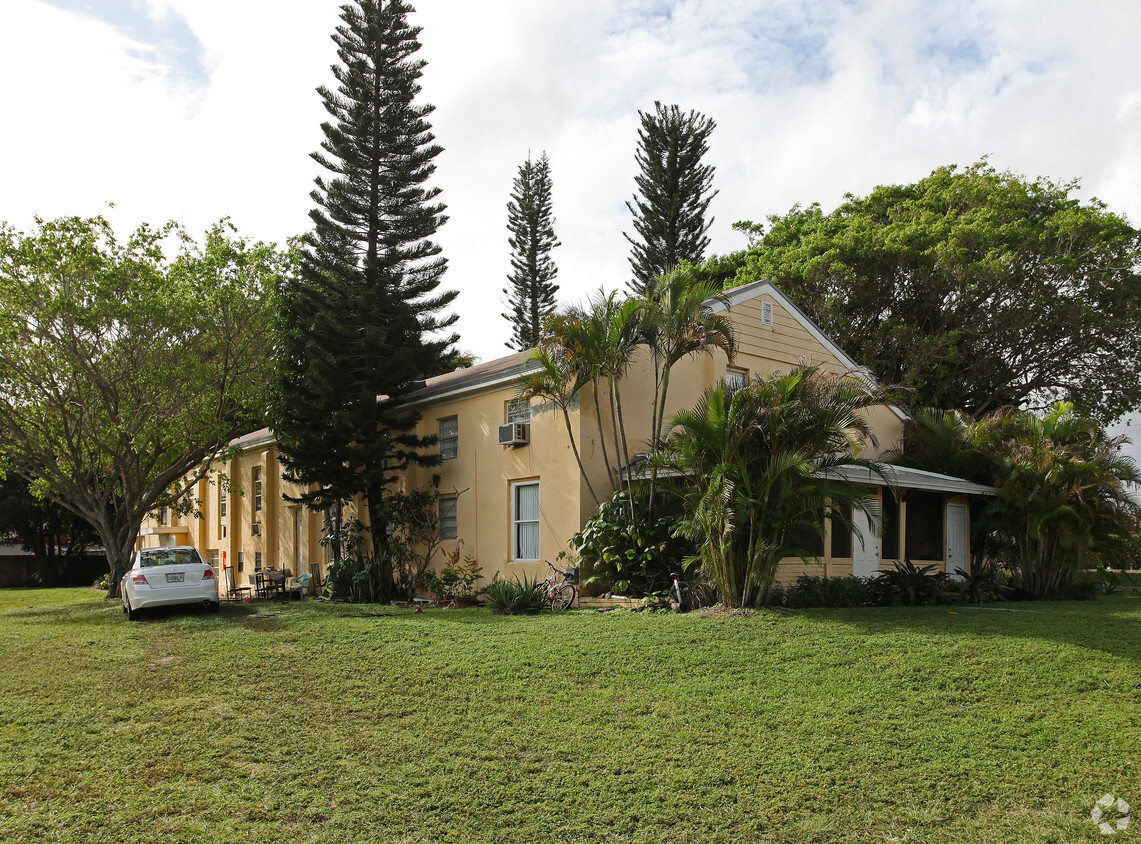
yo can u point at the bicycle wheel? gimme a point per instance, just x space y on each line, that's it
563 596
679 596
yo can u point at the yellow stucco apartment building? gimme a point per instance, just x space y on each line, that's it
515 496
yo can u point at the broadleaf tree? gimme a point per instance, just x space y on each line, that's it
124 374
531 285
674 192
55 537
364 323
972 288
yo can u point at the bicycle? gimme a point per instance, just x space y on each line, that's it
557 595
679 590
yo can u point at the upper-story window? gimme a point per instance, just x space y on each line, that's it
518 410
257 489
449 438
223 497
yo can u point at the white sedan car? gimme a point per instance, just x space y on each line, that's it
164 577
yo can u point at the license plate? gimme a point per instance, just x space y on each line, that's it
175 578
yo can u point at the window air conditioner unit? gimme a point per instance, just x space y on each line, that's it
255 529
515 433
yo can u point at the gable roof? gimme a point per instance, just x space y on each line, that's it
482 377
756 289
495 374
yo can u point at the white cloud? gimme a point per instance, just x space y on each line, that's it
812 100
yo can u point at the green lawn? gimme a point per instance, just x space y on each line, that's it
340 723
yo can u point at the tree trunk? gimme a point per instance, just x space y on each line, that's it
578 457
602 438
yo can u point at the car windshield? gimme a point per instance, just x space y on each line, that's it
169 557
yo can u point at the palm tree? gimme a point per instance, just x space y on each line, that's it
556 381
598 341
1065 501
678 321
756 466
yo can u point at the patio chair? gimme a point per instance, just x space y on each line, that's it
300 584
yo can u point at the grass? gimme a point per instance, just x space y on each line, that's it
345 723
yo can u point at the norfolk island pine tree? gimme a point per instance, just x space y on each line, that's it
673 194
531 289
364 322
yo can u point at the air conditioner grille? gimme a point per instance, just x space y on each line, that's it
515 433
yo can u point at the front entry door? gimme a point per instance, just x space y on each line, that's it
865 544
957 539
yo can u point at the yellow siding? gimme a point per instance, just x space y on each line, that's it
482 473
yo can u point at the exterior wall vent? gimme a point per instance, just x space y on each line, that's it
766 313
515 433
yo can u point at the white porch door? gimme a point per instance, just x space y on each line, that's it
957 539
865 544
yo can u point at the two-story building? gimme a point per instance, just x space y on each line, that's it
511 489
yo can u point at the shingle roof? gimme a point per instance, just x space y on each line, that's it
262 436
483 375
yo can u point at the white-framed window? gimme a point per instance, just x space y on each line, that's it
163 515
735 379
257 489
449 438
518 410
448 516
257 561
215 560
766 313
525 521
223 501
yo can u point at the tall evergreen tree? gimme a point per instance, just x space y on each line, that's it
363 324
531 290
674 188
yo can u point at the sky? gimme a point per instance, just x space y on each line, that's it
193 110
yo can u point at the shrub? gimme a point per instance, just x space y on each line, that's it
516 596
911 586
984 583
361 578
631 556
809 591
1083 589
456 581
